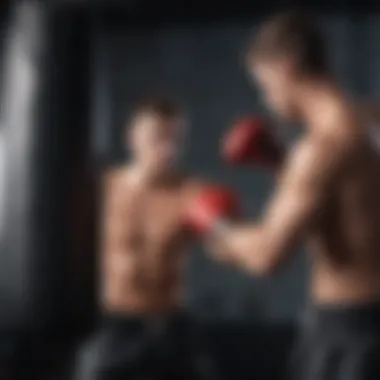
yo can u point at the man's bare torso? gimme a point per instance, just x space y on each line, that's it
144 243
345 241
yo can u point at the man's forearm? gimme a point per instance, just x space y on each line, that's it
246 247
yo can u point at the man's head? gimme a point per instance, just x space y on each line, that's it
155 133
287 51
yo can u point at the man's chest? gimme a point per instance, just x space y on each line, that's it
144 217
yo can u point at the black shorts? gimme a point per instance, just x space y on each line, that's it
338 343
167 348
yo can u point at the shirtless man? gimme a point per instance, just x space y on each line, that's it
146 334
328 195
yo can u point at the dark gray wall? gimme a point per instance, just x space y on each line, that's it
201 66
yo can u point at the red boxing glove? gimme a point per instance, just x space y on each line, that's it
251 141
211 206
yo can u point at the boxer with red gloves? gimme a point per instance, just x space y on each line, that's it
144 243
327 196
251 141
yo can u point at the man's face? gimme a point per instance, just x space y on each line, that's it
277 85
155 141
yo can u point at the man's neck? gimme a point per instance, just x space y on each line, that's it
148 178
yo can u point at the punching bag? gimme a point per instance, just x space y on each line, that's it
48 178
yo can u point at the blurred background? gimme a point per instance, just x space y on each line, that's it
71 73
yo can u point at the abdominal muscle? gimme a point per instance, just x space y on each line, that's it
134 283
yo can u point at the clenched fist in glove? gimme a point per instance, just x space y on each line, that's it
210 208
250 141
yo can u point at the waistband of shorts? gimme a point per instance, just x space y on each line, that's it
363 314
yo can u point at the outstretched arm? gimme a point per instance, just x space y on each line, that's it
307 182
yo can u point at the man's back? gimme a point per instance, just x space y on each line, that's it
346 239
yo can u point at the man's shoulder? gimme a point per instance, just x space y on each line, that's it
337 132
337 113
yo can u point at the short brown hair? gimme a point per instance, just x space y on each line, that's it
159 105
295 35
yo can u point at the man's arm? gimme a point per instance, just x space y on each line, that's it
307 182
